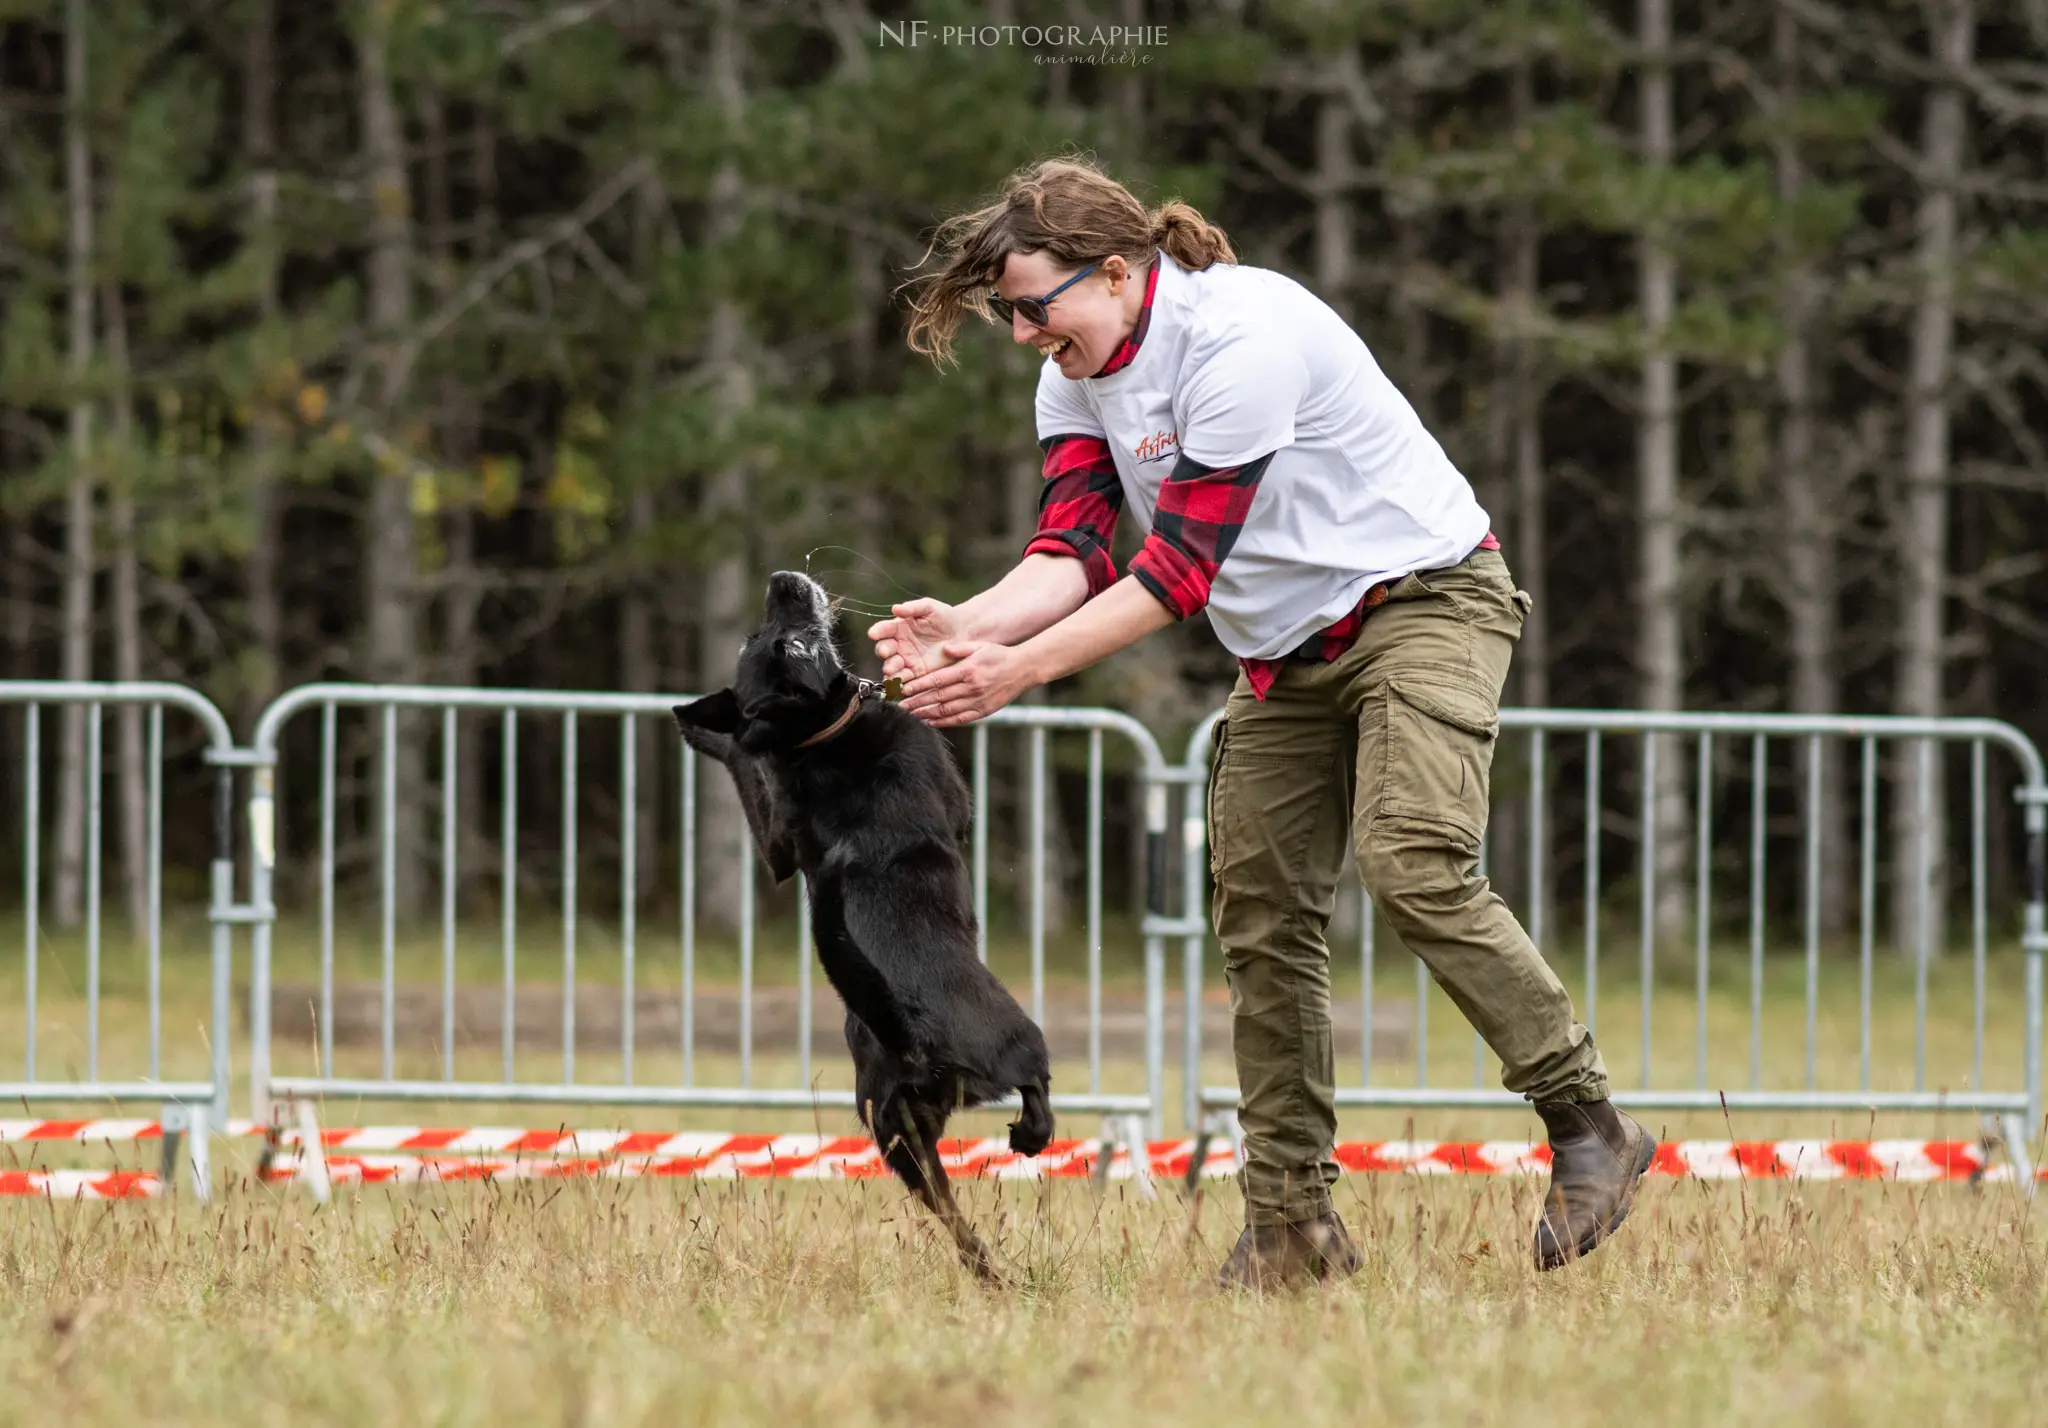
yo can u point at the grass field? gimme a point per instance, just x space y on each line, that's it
630 1302
633 1302
1671 1060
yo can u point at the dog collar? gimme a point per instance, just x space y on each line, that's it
889 690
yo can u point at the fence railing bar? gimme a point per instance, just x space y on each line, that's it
1923 904
1703 900
1593 807
1815 818
746 920
1094 910
449 797
508 886
1868 903
629 885
1979 912
1648 841
569 786
688 876
1758 798
803 979
388 931
153 851
979 744
94 813
31 874
327 779
1036 741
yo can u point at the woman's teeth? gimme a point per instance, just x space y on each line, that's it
1055 348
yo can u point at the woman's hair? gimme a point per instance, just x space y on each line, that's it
1065 207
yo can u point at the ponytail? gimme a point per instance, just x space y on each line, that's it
1188 238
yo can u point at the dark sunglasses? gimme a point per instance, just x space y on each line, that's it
1034 308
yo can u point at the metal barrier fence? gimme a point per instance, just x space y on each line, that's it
517 715
188 1105
1780 758
1753 740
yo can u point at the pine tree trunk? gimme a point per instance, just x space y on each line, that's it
1411 242
1924 536
392 560
639 665
1810 494
1659 653
68 891
455 423
1336 250
266 429
1516 495
728 600
127 599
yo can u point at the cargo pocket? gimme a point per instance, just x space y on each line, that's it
1440 738
1214 833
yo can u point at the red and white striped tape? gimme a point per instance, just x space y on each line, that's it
81 1184
378 1154
84 1132
372 1155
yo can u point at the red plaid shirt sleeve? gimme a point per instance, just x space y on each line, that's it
1201 511
1078 506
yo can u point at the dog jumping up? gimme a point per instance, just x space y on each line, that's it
866 801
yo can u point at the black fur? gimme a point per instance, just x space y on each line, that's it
875 816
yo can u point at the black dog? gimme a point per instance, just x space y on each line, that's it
866 800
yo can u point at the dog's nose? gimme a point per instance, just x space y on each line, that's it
795 586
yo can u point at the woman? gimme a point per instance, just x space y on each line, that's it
1291 492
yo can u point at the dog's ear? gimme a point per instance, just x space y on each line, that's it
713 714
708 724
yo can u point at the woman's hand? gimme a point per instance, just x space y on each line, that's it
909 644
975 679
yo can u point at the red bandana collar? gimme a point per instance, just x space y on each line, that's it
1129 351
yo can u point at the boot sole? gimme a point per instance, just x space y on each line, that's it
1593 1241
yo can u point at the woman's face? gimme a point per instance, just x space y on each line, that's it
1086 324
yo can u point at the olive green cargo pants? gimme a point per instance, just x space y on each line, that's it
1394 742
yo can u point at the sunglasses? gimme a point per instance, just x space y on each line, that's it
1034 308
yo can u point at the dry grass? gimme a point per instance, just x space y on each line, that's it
637 1302
661 1302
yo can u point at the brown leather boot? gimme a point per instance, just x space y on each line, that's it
1597 1157
1275 1256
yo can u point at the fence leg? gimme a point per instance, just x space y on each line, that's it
171 1119
1105 1152
1128 1134
183 1125
1140 1151
312 1156
2013 1131
201 1159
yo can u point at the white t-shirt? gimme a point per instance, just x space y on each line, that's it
1239 363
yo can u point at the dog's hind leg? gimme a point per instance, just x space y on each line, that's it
911 1146
1032 1131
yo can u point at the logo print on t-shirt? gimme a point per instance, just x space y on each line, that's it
1157 447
